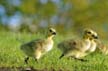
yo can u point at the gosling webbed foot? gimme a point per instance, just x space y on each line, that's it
26 60
61 56
37 60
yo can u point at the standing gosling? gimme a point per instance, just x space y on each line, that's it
93 40
76 48
39 47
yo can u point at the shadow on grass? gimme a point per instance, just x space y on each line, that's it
25 69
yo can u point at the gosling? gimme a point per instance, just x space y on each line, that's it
102 47
93 39
39 47
76 48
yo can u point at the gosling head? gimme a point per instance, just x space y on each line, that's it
88 33
51 32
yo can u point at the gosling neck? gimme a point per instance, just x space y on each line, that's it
50 37
85 38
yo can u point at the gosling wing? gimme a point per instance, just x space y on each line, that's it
69 44
30 47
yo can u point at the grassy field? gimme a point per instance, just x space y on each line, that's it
12 56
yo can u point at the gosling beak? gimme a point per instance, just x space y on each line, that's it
54 33
95 37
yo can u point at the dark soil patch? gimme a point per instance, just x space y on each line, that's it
24 69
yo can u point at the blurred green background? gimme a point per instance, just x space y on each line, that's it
65 15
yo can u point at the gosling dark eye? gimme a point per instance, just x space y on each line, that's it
50 30
93 36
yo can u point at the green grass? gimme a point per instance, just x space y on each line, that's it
12 56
